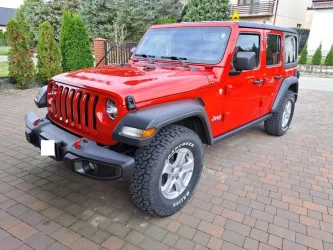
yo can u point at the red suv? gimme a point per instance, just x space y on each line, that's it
186 85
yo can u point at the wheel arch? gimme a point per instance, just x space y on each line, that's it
189 113
289 83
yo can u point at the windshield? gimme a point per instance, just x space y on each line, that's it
194 44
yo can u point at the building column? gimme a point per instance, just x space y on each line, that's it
99 50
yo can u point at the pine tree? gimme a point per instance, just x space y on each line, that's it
304 55
329 57
21 66
207 10
49 55
316 59
74 43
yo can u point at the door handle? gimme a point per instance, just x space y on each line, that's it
278 77
258 82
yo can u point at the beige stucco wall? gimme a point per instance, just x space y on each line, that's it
292 12
321 31
308 19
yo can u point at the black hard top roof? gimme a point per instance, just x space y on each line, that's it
264 27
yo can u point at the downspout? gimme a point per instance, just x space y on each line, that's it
276 10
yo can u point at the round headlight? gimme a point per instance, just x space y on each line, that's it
111 109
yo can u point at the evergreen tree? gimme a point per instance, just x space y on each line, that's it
49 55
207 10
137 15
329 57
34 12
316 59
74 43
304 55
21 66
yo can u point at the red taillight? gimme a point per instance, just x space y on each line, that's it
36 122
77 144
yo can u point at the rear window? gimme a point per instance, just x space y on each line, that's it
290 47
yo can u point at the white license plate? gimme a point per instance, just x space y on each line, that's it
47 147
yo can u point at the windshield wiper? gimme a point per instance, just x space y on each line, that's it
180 59
149 57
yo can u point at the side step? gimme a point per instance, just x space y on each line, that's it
237 130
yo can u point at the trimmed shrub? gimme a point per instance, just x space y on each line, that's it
49 55
329 57
304 55
166 20
74 43
2 35
21 66
316 59
303 36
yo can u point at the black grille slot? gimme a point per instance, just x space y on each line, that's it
94 112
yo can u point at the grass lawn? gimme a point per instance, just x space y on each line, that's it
4 50
310 60
4 69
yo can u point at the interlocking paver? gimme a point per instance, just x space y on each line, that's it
258 192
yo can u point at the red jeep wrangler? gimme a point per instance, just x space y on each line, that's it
186 85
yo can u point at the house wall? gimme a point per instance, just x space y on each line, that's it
292 12
3 28
308 19
321 31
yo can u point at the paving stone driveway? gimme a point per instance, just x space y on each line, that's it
256 192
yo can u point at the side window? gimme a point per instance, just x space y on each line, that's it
273 52
249 43
290 55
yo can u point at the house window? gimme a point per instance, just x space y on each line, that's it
273 52
290 55
249 43
247 2
299 25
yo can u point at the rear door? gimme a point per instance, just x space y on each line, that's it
273 69
241 99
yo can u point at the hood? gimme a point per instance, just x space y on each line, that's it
141 83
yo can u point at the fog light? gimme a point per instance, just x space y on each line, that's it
92 166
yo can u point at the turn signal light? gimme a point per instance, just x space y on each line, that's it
148 133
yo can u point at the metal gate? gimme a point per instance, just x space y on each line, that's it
117 55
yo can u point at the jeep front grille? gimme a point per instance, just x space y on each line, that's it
74 107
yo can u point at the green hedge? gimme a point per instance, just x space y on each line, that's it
49 55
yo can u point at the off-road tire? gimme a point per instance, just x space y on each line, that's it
273 125
149 162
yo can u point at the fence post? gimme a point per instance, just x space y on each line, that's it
99 48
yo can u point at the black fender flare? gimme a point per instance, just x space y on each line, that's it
159 116
285 85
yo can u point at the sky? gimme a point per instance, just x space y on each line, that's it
11 3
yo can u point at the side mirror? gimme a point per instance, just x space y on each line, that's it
133 49
245 60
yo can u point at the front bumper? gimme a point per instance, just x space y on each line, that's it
109 165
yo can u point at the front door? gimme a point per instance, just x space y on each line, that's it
241 99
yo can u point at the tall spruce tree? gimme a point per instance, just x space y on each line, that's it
49 55
21 66
329 57
206 10
74 43
316 59
304 55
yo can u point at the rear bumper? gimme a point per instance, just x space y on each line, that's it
108 164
